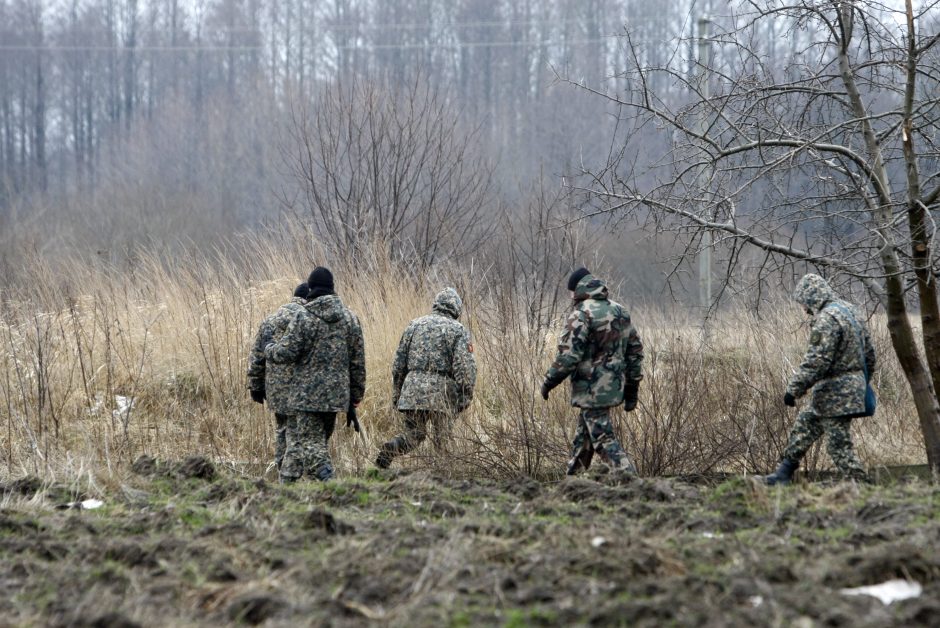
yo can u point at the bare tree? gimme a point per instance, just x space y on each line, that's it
827 159
377 164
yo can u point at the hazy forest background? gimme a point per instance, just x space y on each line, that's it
170 169
129 123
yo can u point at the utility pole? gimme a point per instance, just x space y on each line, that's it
705 255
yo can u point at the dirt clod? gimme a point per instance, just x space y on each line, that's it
318 519
255 608
145 465
197 467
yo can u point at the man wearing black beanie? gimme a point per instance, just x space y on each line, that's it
320 282
271 381
324 344
577 276
602 354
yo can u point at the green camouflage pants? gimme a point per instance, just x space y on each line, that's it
416 431
596 434
809 428
280 438
308 450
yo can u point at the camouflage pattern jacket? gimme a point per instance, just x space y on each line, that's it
324 344
599 349
832 366
434 367
273 379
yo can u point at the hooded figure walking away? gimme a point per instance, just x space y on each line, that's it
433 376
271 382
602 353
324 344
839 361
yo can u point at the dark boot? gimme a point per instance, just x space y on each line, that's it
325 473
384 459
783 475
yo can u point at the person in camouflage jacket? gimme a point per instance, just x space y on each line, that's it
433 375
602 354
324 344
271 382
833 370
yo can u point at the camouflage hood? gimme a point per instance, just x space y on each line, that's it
448 303
813 292
590 287
328 308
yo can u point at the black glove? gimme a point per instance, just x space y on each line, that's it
351 418
789 400
631 395
546 388
257 396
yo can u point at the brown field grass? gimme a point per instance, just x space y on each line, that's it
107 365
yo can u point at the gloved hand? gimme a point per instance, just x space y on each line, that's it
631 395
257 396
789 400
352 420
546 388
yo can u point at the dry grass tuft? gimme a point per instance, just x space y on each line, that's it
151 360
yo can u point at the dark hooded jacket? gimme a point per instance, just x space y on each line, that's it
838 343
324 343
434 368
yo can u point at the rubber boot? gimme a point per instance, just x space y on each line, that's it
325 473
384 459
783 475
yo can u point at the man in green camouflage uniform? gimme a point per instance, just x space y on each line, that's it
433 375
270 382
602 354
324 344
832 368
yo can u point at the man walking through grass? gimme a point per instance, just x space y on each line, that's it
271 382
837 368
432 377
324 344
602 354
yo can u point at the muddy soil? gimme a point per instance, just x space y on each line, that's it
188 543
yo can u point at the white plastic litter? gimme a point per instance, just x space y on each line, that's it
122 406
890 591
711 535
756 600
597 541
91 504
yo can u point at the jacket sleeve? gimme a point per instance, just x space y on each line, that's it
400 364
256 359
464 370
294 343
823 343
633 354
571 348
357 361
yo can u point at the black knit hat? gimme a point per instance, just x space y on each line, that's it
576 276
302 291
320 282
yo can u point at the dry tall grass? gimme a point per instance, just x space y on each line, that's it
103 366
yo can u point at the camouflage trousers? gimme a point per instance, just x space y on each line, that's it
595 433
809 428
307 446
280 438
416 431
